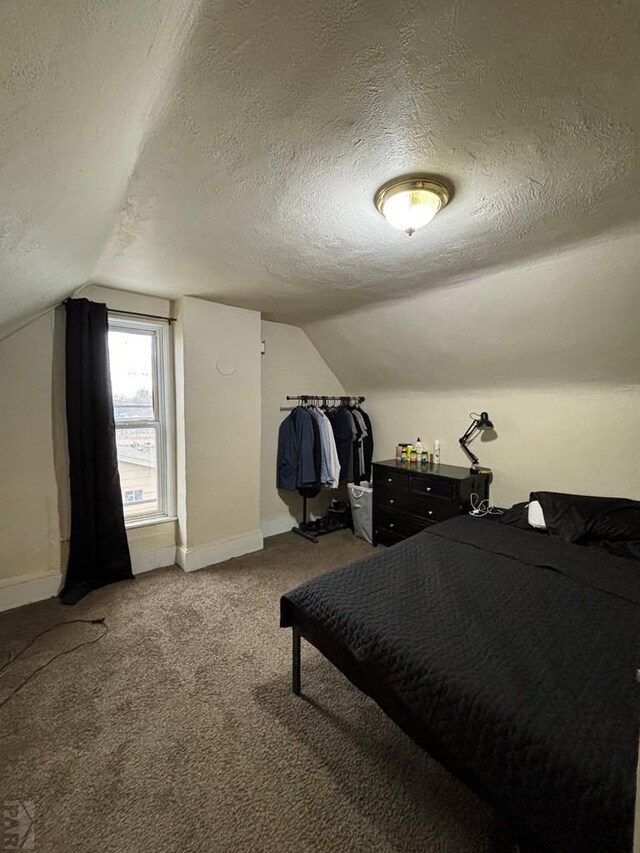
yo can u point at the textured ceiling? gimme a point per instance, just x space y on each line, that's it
570 318
79 85
231 149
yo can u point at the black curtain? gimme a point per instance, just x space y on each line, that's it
99 552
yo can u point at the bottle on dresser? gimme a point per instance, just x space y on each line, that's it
422 456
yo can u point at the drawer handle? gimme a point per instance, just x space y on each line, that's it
389 479
392 501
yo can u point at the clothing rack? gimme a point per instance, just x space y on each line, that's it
323 399
303 529
306 529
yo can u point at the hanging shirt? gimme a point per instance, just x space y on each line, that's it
368 445
330 464
362 436
354 470
341 424
296 465
357 455
317 451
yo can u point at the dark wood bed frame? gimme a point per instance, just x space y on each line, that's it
373 687
296 663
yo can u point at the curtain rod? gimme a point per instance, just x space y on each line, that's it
135 314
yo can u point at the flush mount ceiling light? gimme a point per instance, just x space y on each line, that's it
411 202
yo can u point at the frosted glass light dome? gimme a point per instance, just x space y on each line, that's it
410 203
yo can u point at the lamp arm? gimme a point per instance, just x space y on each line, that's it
475 462
470 433
466 438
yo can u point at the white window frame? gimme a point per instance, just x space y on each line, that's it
164 414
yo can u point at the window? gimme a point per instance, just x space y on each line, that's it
139 360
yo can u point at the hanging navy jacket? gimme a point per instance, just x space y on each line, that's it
341 424
297 451
368 446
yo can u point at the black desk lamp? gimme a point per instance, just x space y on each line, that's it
478 423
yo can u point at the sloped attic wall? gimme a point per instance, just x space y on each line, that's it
81 83
550 348
290 365
29 533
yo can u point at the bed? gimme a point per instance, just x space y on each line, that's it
510 657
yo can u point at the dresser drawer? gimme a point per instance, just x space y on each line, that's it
386 537
431 509
398 524
385 498
410 498
435 487
390 479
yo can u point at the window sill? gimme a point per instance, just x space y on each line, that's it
150 521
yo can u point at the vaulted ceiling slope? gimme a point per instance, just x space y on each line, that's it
81 82
568 319
230 149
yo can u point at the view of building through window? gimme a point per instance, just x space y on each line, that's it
132 359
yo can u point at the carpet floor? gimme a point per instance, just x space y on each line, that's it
177 730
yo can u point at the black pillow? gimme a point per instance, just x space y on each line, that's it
516 516
581 518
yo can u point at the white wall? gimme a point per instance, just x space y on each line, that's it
29 532
218 455
579 439
34 465
550 348
565 319
563 433
218 392
291 365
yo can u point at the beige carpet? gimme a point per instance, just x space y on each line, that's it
177 730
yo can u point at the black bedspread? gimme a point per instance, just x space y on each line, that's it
511 657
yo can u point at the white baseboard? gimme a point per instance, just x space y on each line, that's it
19 591
278 525
200 556
146 561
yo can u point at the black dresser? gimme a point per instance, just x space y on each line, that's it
407 498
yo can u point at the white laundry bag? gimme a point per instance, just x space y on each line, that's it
361 501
